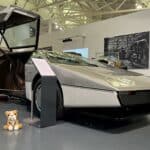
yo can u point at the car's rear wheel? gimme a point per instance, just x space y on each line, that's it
37 100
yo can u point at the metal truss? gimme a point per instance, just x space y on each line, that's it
71 13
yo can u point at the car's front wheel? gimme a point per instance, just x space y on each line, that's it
37 100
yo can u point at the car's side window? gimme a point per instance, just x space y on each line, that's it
2 43
22 35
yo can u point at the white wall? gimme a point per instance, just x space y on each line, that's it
96 32
45 40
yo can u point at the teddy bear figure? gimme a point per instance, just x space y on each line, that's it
12 121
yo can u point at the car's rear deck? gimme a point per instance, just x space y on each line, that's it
82 134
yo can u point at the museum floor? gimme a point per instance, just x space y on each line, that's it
104 135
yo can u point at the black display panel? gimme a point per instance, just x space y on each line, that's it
131 49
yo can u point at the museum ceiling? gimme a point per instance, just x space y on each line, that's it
71 13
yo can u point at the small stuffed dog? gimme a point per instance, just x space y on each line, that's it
12 121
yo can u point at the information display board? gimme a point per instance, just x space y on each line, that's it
131 49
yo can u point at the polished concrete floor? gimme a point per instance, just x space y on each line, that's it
103 135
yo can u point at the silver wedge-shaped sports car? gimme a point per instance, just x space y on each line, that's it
80 83
87 84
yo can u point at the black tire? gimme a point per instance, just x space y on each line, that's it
37 103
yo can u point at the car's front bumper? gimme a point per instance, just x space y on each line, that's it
134 98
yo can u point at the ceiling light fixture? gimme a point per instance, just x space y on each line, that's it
138 6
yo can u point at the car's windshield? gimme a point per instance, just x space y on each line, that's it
70 59
62 58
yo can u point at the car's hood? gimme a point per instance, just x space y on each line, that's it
119 80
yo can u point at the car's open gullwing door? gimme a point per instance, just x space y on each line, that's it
19 30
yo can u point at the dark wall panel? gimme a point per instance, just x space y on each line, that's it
132 49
